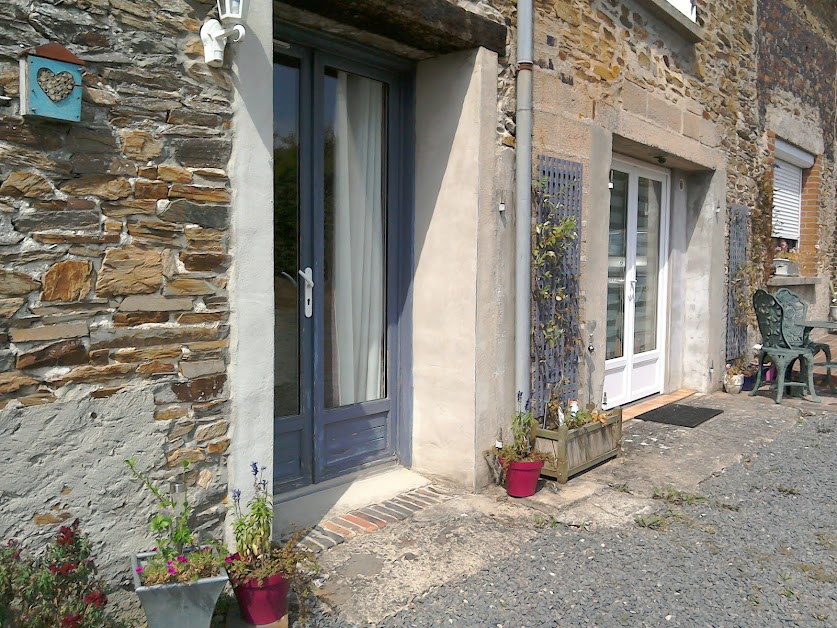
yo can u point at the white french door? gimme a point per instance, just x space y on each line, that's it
636 282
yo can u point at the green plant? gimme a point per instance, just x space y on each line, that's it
256 557
59 589
522 447
176 558
554 328
741 366
558 414
674 496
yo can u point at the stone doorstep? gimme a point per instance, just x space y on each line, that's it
365 520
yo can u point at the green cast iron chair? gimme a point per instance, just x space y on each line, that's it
782 341
796 313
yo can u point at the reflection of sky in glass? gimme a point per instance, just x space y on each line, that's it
286 102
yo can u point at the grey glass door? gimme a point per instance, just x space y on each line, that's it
333 148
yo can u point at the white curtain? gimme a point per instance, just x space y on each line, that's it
359 273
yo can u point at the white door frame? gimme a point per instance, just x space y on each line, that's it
619 386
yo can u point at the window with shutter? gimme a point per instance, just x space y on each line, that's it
787 200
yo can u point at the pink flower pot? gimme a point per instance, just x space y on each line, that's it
263 604
522 478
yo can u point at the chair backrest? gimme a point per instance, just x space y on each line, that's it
770 316
795 313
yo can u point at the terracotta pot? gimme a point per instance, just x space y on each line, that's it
265 603
522 477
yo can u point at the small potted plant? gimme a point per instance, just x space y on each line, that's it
734 374
521 463
833 308
262 572
178 582
785 260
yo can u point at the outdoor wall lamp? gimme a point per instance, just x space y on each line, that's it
215 34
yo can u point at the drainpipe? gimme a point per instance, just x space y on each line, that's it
523 201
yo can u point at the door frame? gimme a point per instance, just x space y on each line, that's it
317 51
635 169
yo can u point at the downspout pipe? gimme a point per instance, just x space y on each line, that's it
523 201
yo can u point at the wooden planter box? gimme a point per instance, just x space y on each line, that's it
579 449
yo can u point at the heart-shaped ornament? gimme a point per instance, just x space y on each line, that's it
56 86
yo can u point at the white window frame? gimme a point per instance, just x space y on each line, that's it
685 7
789 164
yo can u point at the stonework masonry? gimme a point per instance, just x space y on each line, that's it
797 74
113 271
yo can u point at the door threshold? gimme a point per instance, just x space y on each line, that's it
308 506
653 402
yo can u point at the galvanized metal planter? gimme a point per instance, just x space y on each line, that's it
577 450
182 604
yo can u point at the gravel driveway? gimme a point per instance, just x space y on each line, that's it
755 547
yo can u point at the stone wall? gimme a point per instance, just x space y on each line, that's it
113 262
797 65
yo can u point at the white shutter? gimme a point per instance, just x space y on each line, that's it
787 200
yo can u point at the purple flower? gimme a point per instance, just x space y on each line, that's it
254 468
263 484
169 563
228 559
172 570
236 495
182 559
139 569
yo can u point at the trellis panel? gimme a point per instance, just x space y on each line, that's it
737 255
557 366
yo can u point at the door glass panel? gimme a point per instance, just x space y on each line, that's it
355 239
617 255
649 203
286 236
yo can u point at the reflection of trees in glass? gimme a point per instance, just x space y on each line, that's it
328 200
286 203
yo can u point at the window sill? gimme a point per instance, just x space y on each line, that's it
794 281
678 22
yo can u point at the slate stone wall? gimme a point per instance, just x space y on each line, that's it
113 261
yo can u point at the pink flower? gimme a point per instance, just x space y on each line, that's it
172 570
139 569
182 559
169 563
153 549
228 559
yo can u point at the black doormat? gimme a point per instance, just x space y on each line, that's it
676 414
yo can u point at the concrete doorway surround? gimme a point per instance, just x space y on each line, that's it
461 272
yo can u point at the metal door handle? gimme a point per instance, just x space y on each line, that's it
633 290
308 276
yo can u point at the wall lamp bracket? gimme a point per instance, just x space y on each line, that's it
215 37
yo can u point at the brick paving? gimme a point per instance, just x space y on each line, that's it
337 530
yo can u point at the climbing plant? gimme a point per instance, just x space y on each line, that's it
555 330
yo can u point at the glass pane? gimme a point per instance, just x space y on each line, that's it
355 239
617 253
647 264
286 236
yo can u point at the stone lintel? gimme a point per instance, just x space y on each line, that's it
435 26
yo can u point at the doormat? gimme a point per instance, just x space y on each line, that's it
677 414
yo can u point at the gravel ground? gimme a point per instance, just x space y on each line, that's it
757 547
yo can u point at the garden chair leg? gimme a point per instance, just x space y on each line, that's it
808 365
781 371
758 374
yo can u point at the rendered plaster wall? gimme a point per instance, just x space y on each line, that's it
251 281
64 460
113 274
457 292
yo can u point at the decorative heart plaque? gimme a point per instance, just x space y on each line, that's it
56 86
